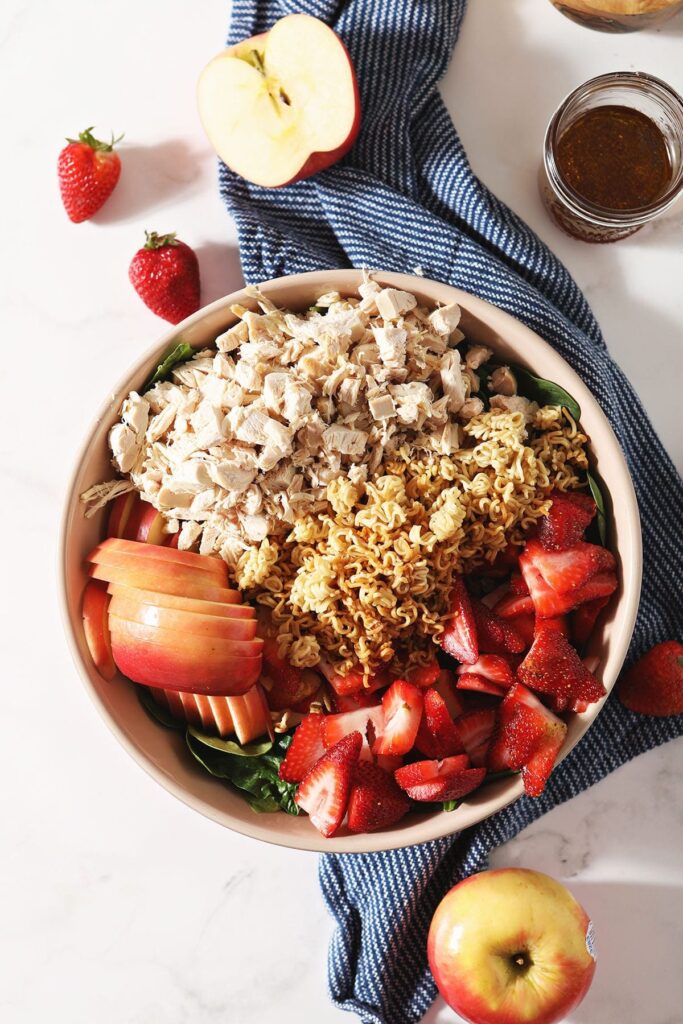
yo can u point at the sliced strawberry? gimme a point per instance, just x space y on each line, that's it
353 682
654 685
287 685
528 737
447 779
445 687
437 735
369 722
491 666
479 684
518 584
526 627
495 635
553 667
505 560
305 750
389 762
566 521
513 605
558 624
402 705
584 619
324 790
475 729
549 603
566 571
424 675
376 801
354 701
459 638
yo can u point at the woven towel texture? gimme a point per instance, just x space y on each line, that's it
406 197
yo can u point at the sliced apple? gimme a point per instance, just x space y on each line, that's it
224 609
179 582
171 639
96 628
183 622
283 105
250 715
220 709
209 713
167 555
120 513
177 669
149 556
146 524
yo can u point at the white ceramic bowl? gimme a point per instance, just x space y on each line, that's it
162 753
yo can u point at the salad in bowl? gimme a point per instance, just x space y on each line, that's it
354 558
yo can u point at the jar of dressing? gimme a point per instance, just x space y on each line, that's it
619 15
613 156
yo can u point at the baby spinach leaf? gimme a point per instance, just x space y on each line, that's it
160 714
230 746
180 354
601 518
256 775
545 392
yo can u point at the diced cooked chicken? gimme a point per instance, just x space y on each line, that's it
125 446
477 355
233 337
472 407
382 407
452 380
393 303
391 342
345 440
514 403
445 319
190 532
503 381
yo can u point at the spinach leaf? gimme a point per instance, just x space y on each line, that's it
230 746
483 372
256 775
545 392
160 714
180 354
600 502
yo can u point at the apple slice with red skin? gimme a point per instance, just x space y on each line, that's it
250 715
282 105
209 713
228 609
183 622
172 639
200 574
96 628
146 524
178 582
511 946
159 666
119 513
120 547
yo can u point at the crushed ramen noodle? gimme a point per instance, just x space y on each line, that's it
367 580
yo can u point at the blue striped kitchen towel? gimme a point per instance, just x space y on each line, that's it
406 197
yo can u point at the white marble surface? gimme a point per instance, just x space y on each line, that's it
117 903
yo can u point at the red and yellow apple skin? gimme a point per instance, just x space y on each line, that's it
190 670
223 609
115 550
511 946
183 622
282 105
96 628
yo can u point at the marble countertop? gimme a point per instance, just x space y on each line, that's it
119 904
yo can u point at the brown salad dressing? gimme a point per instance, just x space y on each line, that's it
614 157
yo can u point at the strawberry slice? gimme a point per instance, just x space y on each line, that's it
491 666
353 682
654 685
553 667
549 603
518 584
584 619
528 737
324 790
513 605
376 801
354 701
369 722
437 735
475 729
424 675
459 638
479 684
495 635
447 779
565 523
526 627
402 705
287 685
557 624
305 750
566 571
445 687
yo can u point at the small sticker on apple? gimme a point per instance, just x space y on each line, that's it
590 941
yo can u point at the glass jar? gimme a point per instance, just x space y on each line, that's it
619 15
644 93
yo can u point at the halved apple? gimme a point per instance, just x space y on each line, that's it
223 609
178 581
283 105
96 628
181 669
118 552
172 640
182 622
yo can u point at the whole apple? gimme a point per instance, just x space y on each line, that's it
511 946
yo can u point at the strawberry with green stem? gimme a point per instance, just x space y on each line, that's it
165 274
88 171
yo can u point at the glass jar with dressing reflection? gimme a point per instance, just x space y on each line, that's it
619 15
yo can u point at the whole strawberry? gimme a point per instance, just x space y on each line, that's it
88 171
165 274
654 685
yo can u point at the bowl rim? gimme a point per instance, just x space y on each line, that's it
435 824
